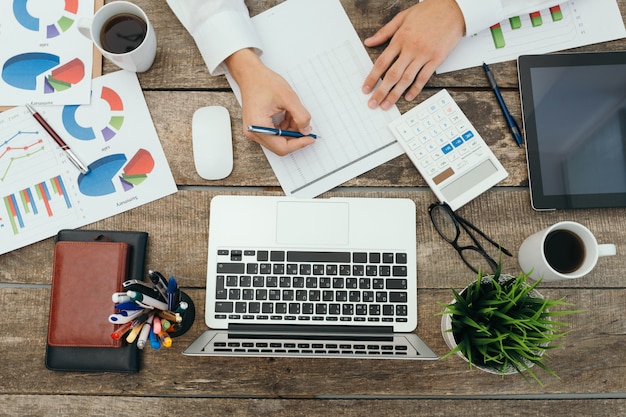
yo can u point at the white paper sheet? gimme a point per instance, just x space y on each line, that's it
314 46
41 191
580 22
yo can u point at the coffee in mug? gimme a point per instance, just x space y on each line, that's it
565 250
123 33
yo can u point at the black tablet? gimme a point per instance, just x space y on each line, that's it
574 112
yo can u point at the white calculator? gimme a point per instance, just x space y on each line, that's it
447 150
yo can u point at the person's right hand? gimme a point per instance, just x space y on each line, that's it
265 95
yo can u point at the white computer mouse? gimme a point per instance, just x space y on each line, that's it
212 142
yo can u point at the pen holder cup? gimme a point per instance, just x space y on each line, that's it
188 317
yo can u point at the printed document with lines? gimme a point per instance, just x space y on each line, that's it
314 46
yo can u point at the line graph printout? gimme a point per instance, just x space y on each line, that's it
41 191
567 25
43 58
326 69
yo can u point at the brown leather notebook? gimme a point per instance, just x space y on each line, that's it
85 274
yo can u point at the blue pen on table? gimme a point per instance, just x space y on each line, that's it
510 121
279 132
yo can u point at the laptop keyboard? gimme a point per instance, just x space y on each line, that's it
274 286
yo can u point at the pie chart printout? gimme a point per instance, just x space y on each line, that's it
22 71
114 169
109 106
58 20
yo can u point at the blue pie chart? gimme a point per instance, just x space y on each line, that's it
69 121
99 180
20 10
21 71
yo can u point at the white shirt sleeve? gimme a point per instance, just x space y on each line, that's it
481 14
219 28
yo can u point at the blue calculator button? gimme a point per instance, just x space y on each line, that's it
457 142
447 149
468 135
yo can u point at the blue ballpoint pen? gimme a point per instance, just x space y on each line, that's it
172 286
278 132
510 121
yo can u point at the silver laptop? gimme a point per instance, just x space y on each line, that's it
311 278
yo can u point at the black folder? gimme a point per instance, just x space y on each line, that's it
123 358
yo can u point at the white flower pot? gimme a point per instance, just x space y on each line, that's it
448 336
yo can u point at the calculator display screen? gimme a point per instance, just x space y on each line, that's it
575 123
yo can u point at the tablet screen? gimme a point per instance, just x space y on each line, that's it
574 108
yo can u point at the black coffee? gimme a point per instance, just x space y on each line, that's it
564 251
123 33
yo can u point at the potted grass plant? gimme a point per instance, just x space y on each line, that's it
502 324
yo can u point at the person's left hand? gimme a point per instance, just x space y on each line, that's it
422 37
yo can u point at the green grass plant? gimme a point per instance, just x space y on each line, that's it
503 323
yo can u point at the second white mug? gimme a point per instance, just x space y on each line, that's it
565 250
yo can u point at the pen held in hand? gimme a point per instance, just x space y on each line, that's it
279 132
82 167
510 120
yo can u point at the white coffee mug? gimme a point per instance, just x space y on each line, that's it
132 55
565 250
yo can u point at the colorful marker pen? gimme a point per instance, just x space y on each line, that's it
155 341
156 325
120 297
124 316
145 332
130 338
121 330
166 340
171 316
147 300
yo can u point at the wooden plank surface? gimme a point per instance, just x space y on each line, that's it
66 405
589 362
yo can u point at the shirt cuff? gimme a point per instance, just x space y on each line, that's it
221 36
480 14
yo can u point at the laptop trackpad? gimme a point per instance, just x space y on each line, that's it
312 223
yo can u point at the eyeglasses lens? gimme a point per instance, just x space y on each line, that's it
477 260
444 223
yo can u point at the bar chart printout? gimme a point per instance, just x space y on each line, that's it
33 206
567 25
536 20
42 192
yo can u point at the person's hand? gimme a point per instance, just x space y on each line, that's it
266 95
422 37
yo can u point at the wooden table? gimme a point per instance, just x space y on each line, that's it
590 363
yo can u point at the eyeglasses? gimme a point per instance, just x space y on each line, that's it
447 224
